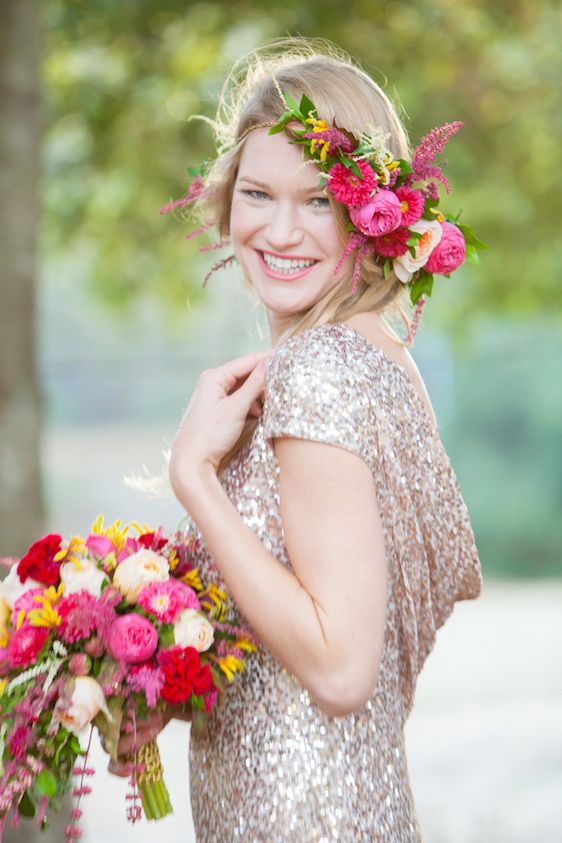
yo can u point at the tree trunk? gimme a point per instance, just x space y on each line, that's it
21 510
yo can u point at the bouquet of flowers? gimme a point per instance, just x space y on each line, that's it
91 629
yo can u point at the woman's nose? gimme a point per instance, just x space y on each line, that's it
284 227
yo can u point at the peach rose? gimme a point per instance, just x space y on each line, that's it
405 265
86 700
137 570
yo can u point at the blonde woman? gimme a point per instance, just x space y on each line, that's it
315 479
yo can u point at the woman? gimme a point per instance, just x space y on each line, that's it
316 481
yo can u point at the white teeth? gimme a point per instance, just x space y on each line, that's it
287 267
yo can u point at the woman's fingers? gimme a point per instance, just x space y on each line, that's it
241 367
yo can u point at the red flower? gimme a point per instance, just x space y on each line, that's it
183 674
25 645
39 562
393 244
152 542
350 189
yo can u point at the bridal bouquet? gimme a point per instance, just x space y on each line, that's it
91 629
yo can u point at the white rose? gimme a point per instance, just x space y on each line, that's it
405 265
192 629
82 577
86 701
12 588
137 570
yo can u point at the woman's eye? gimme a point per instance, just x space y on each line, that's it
255 194
320 202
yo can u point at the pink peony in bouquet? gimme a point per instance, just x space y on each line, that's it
89 630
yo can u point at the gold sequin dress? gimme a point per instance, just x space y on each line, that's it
272 767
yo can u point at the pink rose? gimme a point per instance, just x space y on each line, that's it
132 638
379 216
449 253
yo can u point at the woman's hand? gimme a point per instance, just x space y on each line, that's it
147 729
223 399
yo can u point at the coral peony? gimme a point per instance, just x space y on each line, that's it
379 216
411 204
406 264
39 561
350 189
449 253
132 639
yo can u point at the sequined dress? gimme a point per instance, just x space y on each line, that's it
272 767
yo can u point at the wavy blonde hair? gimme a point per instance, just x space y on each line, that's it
252 95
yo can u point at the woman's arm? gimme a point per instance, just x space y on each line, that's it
325 622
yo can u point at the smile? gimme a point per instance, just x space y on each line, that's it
285 268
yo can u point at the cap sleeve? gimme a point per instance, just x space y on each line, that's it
316 390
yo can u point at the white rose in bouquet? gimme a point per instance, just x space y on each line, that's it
12 588
192 629
84 576
137 570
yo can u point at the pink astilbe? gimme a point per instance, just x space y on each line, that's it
336 139
20 740
148 679
415 323
222 264
194 192
360 243
431 145
78 612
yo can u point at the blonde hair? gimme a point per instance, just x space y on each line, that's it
252 95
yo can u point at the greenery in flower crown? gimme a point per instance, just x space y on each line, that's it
399 223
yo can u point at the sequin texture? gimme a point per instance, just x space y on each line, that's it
272 767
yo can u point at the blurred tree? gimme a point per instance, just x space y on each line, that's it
123 78
20 50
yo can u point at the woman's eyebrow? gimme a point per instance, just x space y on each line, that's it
305 190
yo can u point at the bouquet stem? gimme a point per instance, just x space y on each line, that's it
154 793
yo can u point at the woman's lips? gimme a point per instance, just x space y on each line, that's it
283 276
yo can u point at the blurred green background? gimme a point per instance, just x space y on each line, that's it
123 326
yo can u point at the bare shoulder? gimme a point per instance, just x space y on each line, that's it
378 333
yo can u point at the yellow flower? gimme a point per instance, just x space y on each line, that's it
214 599
3 683
244 644
193 579
319 143
4 637
438 214
70 552
47 615
173 560
230 665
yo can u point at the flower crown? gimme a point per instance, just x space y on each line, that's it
392 205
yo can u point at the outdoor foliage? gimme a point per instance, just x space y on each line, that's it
121 80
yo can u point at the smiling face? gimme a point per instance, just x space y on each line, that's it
282 228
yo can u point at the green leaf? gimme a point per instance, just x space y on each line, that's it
166 635
405 168
350 227
291 102
110 729
307 106
414 237
472 255
26 808
422 285
46 783
387 268
197 702
471 237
